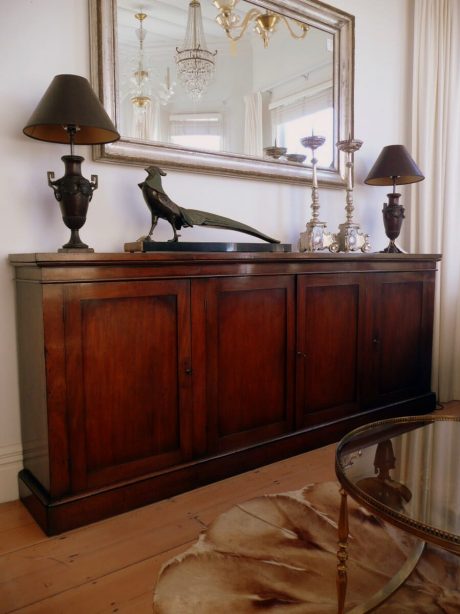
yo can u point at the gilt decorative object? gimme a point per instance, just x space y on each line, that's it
162 207
140 94
316 237
70 112
394 166
264 23
350 237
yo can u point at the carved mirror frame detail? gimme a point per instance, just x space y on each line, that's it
340 25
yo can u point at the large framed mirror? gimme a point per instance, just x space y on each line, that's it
225 87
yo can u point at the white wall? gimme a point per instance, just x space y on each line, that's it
42 38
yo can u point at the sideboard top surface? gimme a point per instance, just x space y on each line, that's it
72 258
66 267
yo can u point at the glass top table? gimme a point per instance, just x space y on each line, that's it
406 471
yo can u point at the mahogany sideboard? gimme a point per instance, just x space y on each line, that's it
145 375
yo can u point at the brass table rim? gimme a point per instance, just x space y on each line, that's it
448 541
392 586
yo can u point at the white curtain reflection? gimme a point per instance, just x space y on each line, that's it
301 104
305 112
412 452
253 133
145 122
427 463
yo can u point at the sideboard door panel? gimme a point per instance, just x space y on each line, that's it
401 308
328 336
128 352
249 336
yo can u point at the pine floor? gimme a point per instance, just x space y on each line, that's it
111 566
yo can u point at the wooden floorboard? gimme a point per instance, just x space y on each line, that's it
111 566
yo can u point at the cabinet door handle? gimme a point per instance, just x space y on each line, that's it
188 371
301 354
375 341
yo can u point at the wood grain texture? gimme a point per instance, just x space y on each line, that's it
249 336
113 565
88 563
329 340
127 347
147 376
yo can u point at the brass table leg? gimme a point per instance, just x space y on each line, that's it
342 553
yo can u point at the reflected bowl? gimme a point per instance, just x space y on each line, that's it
275 152
294 157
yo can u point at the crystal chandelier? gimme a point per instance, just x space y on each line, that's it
140 79
195 64
264 23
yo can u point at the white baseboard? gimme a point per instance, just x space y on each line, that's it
10 465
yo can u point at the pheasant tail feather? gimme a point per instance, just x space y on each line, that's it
194 217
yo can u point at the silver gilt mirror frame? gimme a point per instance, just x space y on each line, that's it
339 25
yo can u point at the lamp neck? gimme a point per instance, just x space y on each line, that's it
394 177
393 200
72 131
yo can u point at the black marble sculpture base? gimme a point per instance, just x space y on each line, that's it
183 246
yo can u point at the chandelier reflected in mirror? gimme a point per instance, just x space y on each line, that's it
264 22
140 85
147 90
195 64
140 95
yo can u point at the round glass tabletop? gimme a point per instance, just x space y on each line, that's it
407 471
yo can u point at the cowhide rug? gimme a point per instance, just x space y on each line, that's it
277 554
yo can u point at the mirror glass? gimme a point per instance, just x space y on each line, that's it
225 86
261 92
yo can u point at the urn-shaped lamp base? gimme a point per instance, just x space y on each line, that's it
73 193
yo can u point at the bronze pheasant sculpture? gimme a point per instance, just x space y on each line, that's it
161 206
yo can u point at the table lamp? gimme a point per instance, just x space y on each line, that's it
70 112
394 166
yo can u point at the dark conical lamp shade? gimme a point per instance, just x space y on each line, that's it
70 101
394 166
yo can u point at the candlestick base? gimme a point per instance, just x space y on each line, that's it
351 239
316 238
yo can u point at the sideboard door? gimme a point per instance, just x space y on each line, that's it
329 329
244 329
128 378
399 324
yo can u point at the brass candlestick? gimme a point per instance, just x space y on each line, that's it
315 238
350 238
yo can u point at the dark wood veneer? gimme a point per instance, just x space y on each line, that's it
144 375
